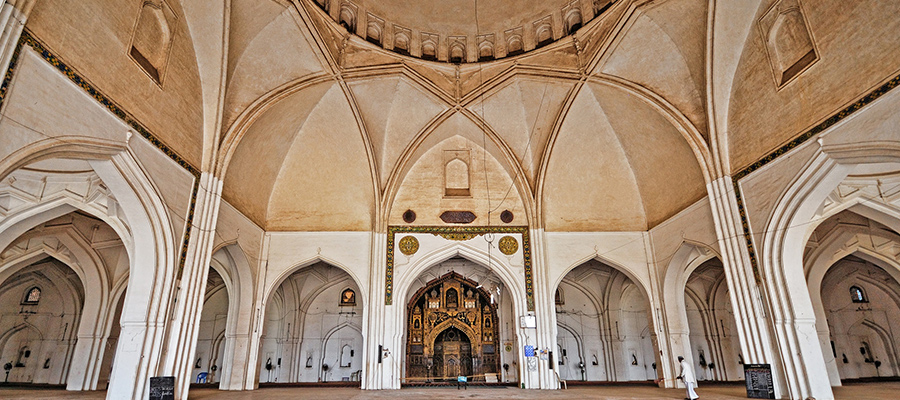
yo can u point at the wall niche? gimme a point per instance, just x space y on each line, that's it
456 173
152 38
789 41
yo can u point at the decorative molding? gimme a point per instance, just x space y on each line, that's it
115 109
453 46
508 245
787 147
409 245
459 233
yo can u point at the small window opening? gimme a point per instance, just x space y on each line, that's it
858 295
32 296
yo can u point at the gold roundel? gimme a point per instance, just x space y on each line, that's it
508 245
409 245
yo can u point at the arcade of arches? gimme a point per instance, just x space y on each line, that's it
251 193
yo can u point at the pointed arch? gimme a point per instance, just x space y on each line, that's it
140 213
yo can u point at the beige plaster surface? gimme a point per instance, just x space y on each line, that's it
857 50
274 51
94 37
402 111
617 165
423 187
861 391
667 42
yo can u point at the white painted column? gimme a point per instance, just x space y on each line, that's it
87 356
13 14
182 335
545 311
92 333
757 346
668 342
237 358
251 368
377 375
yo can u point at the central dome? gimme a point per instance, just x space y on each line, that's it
461 31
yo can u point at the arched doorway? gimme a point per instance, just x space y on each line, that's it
852 276
603 326
312 330
452 330
210 350
714 344
41 307
861 307
57 304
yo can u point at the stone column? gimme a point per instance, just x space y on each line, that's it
668 342
84 368
13 14
545 313
182 335
755 338
383 375
257 319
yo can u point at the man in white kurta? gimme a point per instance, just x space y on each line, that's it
687 376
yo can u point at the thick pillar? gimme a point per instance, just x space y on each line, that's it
237 358
756 341
87 357
668 343
257 319
377 375
544 337
182 335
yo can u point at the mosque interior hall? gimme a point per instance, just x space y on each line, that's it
396 198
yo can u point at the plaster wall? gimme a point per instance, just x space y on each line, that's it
855 325
43 104
856 53
44 330
95 38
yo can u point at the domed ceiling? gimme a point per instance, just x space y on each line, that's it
462 30
603 130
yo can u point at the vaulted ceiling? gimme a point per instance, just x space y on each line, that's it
600 130
330 115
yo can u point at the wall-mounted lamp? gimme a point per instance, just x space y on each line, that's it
633 359
594 359
197 364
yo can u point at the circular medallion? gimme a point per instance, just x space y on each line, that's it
508 245
409 245
506 216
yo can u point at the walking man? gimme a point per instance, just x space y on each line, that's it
687 376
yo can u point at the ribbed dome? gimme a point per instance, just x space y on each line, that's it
462 30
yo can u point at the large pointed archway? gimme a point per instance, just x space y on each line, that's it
452 330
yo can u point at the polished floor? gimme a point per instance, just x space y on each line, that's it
856 391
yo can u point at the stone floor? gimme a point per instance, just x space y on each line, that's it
856 391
